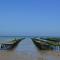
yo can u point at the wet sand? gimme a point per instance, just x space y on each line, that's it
26 50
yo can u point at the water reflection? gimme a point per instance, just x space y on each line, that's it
56 48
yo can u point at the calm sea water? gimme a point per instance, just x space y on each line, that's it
26 50
9 37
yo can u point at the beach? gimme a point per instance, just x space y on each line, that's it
26 50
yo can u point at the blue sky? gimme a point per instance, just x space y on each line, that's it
30 17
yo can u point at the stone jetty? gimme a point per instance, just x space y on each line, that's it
42 45
9 45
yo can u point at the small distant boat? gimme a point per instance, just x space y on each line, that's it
42 45
9 45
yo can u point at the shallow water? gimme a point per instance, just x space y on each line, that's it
26 50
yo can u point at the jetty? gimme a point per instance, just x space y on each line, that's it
9 45
47 44
42 44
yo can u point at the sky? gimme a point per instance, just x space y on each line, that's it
30 17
